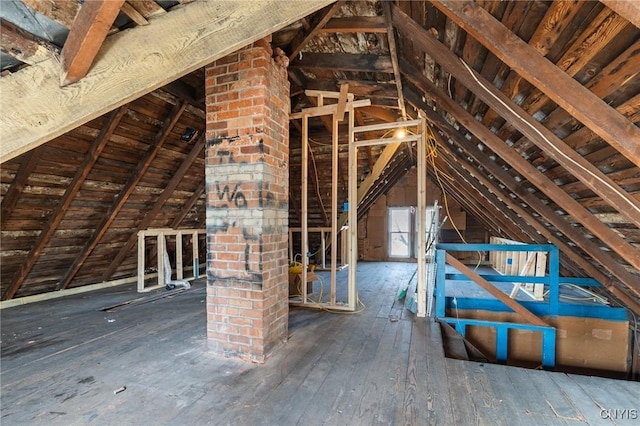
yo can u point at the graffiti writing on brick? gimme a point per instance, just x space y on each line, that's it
242 208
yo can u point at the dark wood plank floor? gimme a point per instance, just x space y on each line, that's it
63 359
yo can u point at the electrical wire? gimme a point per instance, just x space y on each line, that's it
552 146
636 329
432 154
295 267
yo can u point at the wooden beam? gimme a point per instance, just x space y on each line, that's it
124 194
133 13
552 145
326 109
133 63
23 46
495 292
557 18
617 243
380 113
147 8
602 30
111 123
157 206
536 178
321 19
61 11
558 86
18 183
393 52
86 36
197 193
628 9
364 187
360 122
342 102
344 62
355 24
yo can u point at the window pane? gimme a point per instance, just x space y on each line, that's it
399 220
399 244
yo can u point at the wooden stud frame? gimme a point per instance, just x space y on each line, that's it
323 259
160 234
345 105
419 138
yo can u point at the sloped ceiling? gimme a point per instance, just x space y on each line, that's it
534 109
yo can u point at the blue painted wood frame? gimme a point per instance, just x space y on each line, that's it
548 355
502 329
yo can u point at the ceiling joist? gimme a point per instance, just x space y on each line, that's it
109 126
85 38
553 146
558 86
618 244
133 63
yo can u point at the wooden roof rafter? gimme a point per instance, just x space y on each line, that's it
557 18
195 151
541 233
17 186
562 89
56 216
546 213
618 244
321 19
420 35
124 194
191 202
88 32
393 53
553 146
125 59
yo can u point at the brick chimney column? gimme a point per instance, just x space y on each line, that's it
247 186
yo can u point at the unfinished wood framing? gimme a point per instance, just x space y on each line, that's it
124 71
417 137
344 103
87 34
519 96
323 231
526 264
562 89
160 235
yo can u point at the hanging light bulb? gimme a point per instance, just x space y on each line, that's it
400 133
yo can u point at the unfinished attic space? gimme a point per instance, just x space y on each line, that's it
320 212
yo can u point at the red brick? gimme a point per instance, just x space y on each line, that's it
251 102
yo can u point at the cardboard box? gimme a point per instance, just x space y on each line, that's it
296 279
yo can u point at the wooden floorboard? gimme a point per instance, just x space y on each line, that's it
63 359
460 390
